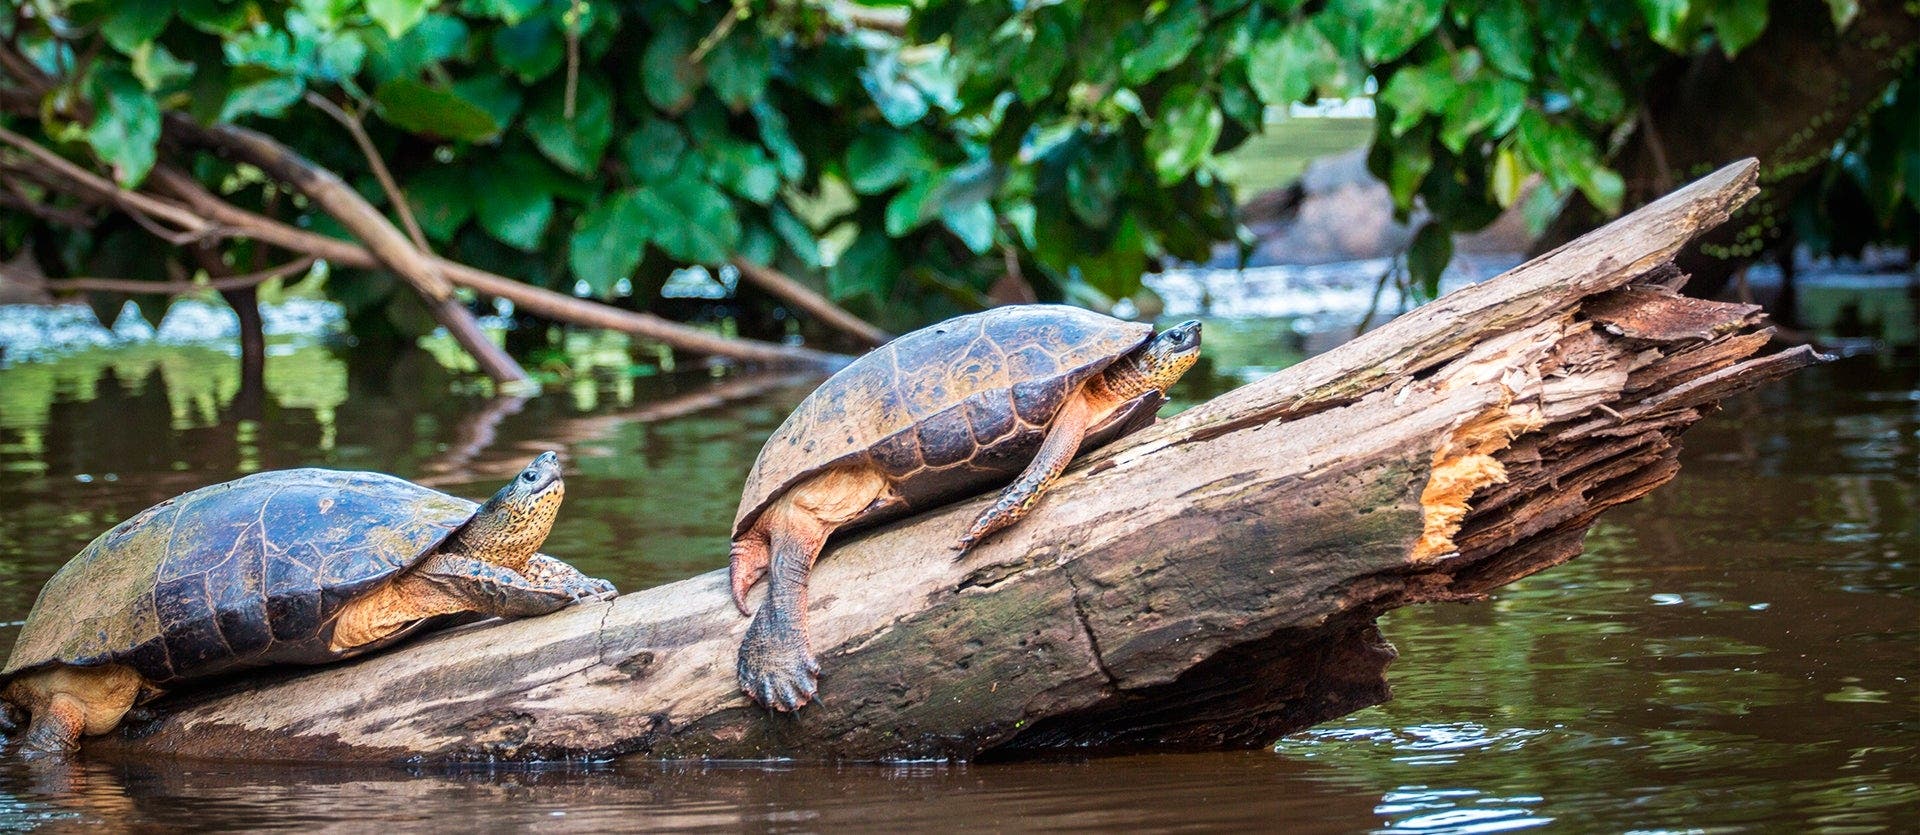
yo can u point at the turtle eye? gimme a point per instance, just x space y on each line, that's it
527 476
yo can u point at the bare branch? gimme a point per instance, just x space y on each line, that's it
379 166
804 299
181 288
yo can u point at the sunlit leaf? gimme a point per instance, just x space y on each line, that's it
397 16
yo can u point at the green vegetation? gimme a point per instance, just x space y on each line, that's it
902 163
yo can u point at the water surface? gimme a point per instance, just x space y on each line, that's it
1738 652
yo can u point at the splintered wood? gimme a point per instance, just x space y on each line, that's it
1211 582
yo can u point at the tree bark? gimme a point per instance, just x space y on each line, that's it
1211 582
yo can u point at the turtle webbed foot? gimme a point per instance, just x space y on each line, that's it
776 667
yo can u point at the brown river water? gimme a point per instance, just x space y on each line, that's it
1738 652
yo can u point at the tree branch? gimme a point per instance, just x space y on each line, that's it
538 300
365 222
181 288
805 300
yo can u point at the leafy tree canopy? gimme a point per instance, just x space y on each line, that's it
905 157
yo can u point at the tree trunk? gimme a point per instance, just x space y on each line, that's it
1786 99
1211 582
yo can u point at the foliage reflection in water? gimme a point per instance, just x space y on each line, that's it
1736 651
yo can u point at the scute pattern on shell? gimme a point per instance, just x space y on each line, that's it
237 574
944 408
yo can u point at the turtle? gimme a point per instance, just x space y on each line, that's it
301 566
1010 393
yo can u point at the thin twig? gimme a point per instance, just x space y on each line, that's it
12 198
719 33
379 166
181 288
574 16
1373 304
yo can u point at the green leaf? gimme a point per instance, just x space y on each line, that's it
1504 32
510 11
1046 57
1667 23
1843 12
1094 182
132 23
653 151
1388 28
397 16
573 144
433 111
266 98
126 123
774 135
880 159
800 239
532 50
1603 187
1286 63
667 76
1737 23
214 17
1184 133
1414 92
609 240
972 223
1491 106
441 197
1170 36
869 266
157 68
1583 66
744 169
913 205
1116 268
692 221
1509 177
899 99
738 68
496 94
512 208
1427 257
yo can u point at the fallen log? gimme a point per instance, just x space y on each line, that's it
1211 582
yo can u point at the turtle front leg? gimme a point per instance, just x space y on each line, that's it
776 665
548 572
491 590
1063 441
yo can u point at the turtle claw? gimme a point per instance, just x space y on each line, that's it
776 668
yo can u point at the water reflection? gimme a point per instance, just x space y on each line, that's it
1183 792
1739 650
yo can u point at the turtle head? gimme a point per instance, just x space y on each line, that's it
509 528
1169 354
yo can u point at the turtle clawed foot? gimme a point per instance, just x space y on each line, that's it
595 589
777 669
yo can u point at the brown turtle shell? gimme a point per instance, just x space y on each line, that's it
240 574
949 409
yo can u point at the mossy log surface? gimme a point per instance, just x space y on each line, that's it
1211 582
